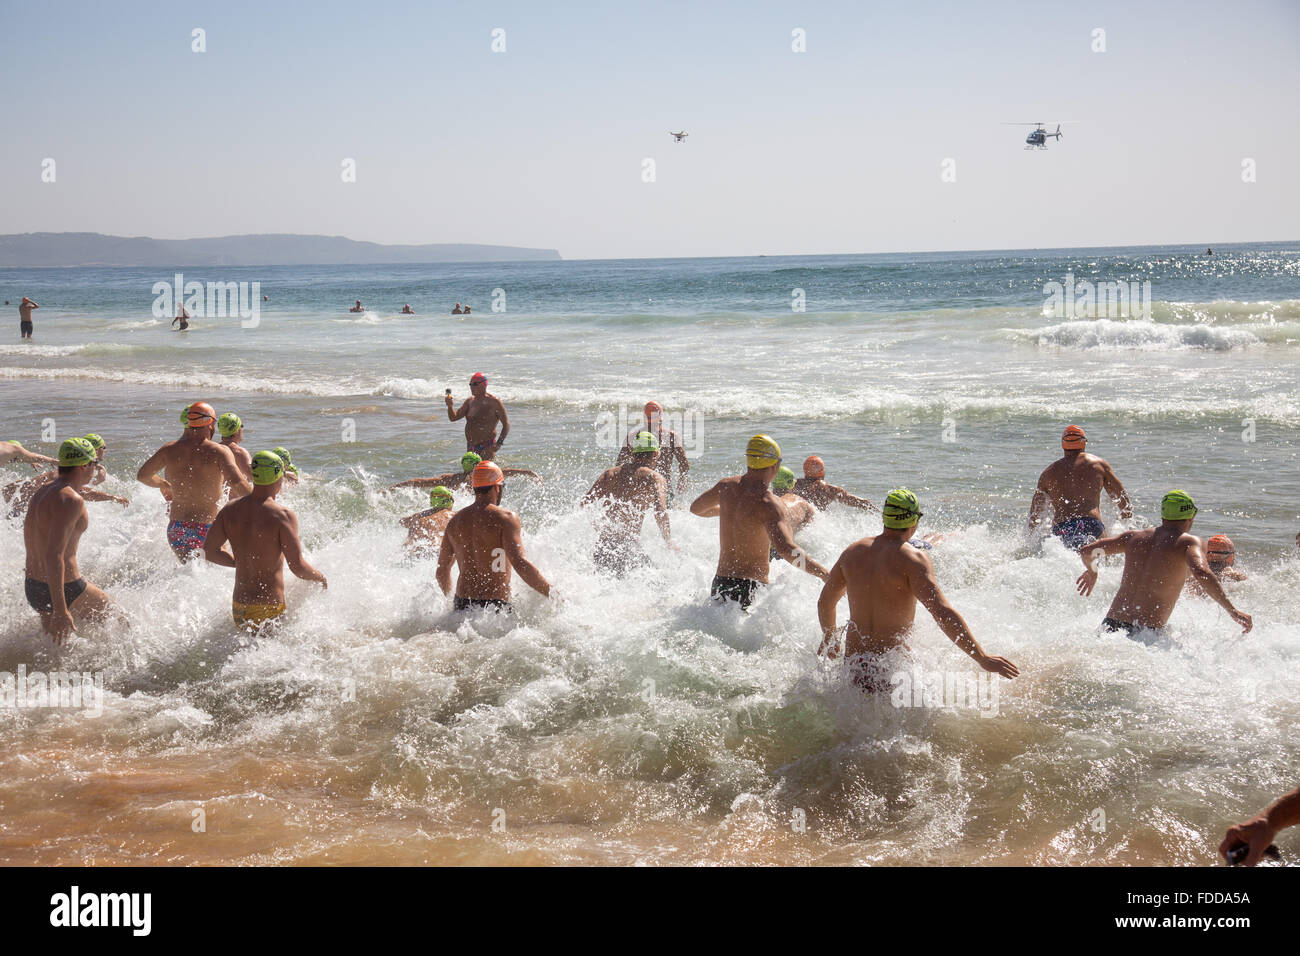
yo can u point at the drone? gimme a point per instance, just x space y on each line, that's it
680 137
1039 137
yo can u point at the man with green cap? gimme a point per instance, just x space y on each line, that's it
14 451
1157 562
798 511
454 480
52 530
263 535
424 528
752 524
626 492
231 427
884 577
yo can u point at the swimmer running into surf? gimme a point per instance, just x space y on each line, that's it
814 488
884 578
1072 485
627 492
752 524
485 541
263 536
424 529
197 470
1221 556
1157 562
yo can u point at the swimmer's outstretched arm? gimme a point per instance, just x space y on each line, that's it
1259 831
835 588
1036 508
1090 554
852 500
449 480
91 495
926 590
1209 582
521 473
661 510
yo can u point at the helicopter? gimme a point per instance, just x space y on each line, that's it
680 137
1039 137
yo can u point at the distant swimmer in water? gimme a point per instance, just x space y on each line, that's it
1249 842
753 523
197 470
485 541
1221 556
467 310
407 310
52 530
25 308
263 536
291 476
884 578
813 487
1157 562
454 479
626 492
231 427
14 451
458 310
1073 485
670 450
1209 252
424 528
481 411
183 317
357 308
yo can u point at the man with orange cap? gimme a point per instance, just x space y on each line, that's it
813 488
753 523
195 467
481 412
485 541
670 449
1073 487
1221 556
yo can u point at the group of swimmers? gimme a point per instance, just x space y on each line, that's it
407 310
884 576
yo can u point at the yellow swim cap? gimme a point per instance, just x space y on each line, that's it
268 468
228 424
1177 506
440 497
901 510
75 452
762 452
469 460
645 443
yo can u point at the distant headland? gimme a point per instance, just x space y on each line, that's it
36 250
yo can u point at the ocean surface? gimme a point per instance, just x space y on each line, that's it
630 721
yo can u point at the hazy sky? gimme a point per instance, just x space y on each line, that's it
836 149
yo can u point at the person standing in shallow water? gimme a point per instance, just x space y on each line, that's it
481 411
1072 486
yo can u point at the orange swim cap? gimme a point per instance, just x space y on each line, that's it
1073 438
653 408
200 414
486 474
814 467
1221 546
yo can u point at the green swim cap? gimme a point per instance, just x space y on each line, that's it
228 424
469 460
185 416
784 479
95 441
440 497
645 443
901 510
1177 506
268 468
15 441
283 454
76 451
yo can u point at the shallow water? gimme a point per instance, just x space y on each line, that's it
631 722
